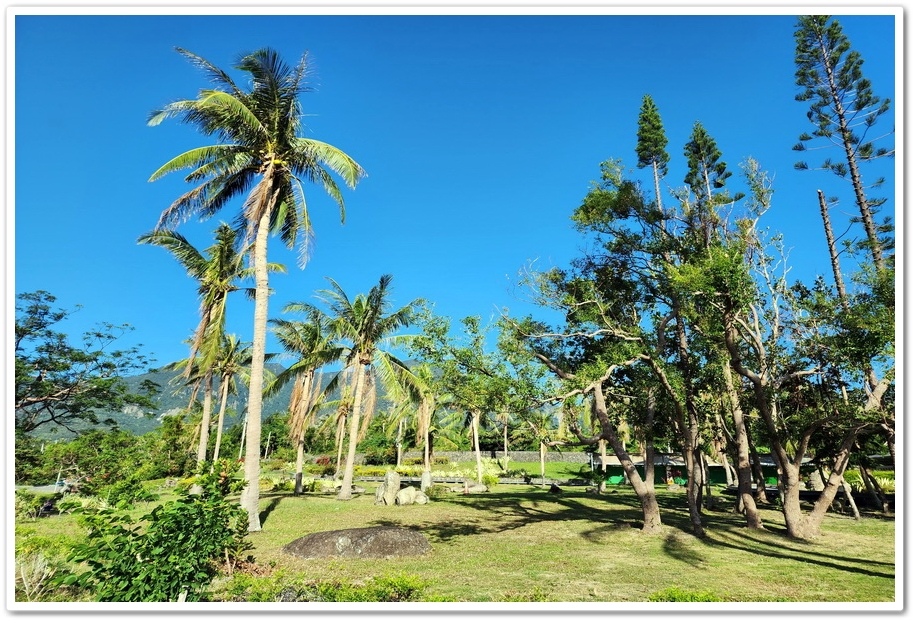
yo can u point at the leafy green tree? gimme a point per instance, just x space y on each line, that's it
262 153
366 327
169 554
59 384
466 373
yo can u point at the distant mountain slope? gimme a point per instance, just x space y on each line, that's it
174 396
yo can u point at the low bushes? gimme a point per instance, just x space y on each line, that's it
280 586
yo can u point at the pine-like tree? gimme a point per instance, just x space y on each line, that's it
650 144
843 111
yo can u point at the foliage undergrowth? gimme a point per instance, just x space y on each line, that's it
281 586
169 554
674 593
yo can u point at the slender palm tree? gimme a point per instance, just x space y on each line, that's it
312 344
366 328
259 153
426 409
416 408
217 272
233 363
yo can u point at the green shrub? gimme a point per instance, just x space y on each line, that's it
674 593
172 552
436 492
243 587
128 492
490 480
368 470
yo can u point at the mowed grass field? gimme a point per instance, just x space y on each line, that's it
522 543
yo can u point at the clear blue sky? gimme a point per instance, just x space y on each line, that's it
480 135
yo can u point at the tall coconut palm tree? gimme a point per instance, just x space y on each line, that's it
312 344
366 328
217 272
259 153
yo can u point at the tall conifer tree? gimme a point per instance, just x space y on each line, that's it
830 75
650 144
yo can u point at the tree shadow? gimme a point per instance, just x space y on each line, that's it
275 500
788 550
507 511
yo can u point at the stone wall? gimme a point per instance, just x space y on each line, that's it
521 457
579 458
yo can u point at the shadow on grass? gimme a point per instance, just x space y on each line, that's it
510 511
275 500
614 511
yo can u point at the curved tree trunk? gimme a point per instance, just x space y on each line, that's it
250 497
645 490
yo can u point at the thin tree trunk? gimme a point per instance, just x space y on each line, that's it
220 420
341 428
300 461
244 436
204 437
250 497
475 421
398 444
834 256
543 450
874 489
346 487
506 444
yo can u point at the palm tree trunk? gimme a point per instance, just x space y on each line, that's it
506 444
543 449
346 487
244 436
300 461
223 398
341 423
251 493
475 422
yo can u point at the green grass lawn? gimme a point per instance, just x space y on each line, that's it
520 543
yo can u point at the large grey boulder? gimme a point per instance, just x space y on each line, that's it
387 492
391 485
426 480
371 542
410 495
406 496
